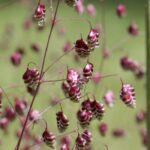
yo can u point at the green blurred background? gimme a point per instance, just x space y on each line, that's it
14 15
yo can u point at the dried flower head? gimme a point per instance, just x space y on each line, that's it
121 10
103 128
128 95
82 48
93 39
39 14
49 138
62 121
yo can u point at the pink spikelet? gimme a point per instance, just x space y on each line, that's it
93 39
79 7
64 147
91 10
88 71
62 121
49 138
121 10
71 86
82 48
80 142
128 95
39 14
31 78
109 98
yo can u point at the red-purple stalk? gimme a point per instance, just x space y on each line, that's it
41 75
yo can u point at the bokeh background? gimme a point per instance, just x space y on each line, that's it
13 35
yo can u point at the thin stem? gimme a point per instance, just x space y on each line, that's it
68 133
148 70
48 41
51 81
41 74
76 20
56 61
103 19
11 105
7 98
109 75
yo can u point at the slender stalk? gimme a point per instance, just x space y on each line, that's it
104 42
57 61
148 69
41 74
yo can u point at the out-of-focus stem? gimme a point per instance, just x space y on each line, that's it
41 74
103 45
148 69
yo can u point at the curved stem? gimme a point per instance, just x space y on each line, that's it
41 74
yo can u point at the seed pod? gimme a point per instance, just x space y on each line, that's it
16 58
84 117
31 78
80 142
79 7
98 109
49 138
144 136
20 105
62 121
128 95
109 98
91 10
88 71
133 29
66 139
71 3
64 147
4 122
87 135
9 113
141 116
75 93
39 14
119 132
132 65
82 48
121 10
86 104
93 39
103 128
66 88
72 77
34 116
